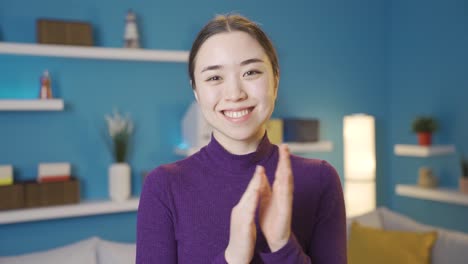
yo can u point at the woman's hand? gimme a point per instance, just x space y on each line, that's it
276 203
243 233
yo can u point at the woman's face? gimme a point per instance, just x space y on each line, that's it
235 87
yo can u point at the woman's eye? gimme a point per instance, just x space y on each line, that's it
213 78
250 73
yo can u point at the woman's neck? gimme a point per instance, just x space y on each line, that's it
239 147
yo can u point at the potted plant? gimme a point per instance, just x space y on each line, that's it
463 182
120 130
424 127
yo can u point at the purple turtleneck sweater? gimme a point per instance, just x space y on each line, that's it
185 208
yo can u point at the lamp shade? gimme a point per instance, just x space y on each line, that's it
359 197
359 147
359 163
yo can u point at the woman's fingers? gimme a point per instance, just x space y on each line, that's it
249 199
243 231
284 175
276 210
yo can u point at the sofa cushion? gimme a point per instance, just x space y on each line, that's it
373 245
109 252
370 219
450 247
82 252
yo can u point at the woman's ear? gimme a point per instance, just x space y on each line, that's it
195 94
276 87
194 91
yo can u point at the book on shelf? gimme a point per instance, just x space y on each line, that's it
54 169
6 175
55 178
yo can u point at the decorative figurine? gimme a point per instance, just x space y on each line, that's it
46 89
131 31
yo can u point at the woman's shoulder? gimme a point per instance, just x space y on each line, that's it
316 165
317 169
166 172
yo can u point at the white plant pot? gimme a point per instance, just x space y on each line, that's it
119 181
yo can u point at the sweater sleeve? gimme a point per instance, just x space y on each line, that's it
328 242
156 241
290 253
219 259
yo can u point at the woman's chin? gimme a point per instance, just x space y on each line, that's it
243 135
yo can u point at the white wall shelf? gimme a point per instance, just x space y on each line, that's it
31 105
91 207
93 52
444 195
423 151
303 147
294 147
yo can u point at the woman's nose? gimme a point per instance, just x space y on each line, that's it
234 91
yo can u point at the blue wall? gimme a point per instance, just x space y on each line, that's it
391 59
428 63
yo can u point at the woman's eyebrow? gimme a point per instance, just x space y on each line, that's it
210 68
254 60
217 67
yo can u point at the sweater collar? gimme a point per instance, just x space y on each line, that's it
217 155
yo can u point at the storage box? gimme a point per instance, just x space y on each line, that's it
51 193
51 31
301 130
12 196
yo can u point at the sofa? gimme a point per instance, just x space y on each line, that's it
93 250
451 247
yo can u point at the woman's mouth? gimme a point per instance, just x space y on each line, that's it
238 115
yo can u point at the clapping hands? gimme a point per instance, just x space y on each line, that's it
275 211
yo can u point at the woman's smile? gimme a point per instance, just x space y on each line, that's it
238 115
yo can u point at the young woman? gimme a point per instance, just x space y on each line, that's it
240 199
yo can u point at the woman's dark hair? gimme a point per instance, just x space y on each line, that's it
229 23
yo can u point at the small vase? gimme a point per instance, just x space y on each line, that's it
119 181
425 138
463 184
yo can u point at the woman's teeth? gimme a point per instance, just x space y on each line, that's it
236 114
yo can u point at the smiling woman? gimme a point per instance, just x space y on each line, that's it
240 199
235 88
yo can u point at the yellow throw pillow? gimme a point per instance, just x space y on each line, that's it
373 245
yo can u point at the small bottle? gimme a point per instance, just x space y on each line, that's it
46 89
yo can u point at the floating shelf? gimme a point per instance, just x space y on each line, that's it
66 211
423 151
444 195
294 147
32 105
302 147
93 52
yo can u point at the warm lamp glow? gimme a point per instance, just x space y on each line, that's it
359 163
359 197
